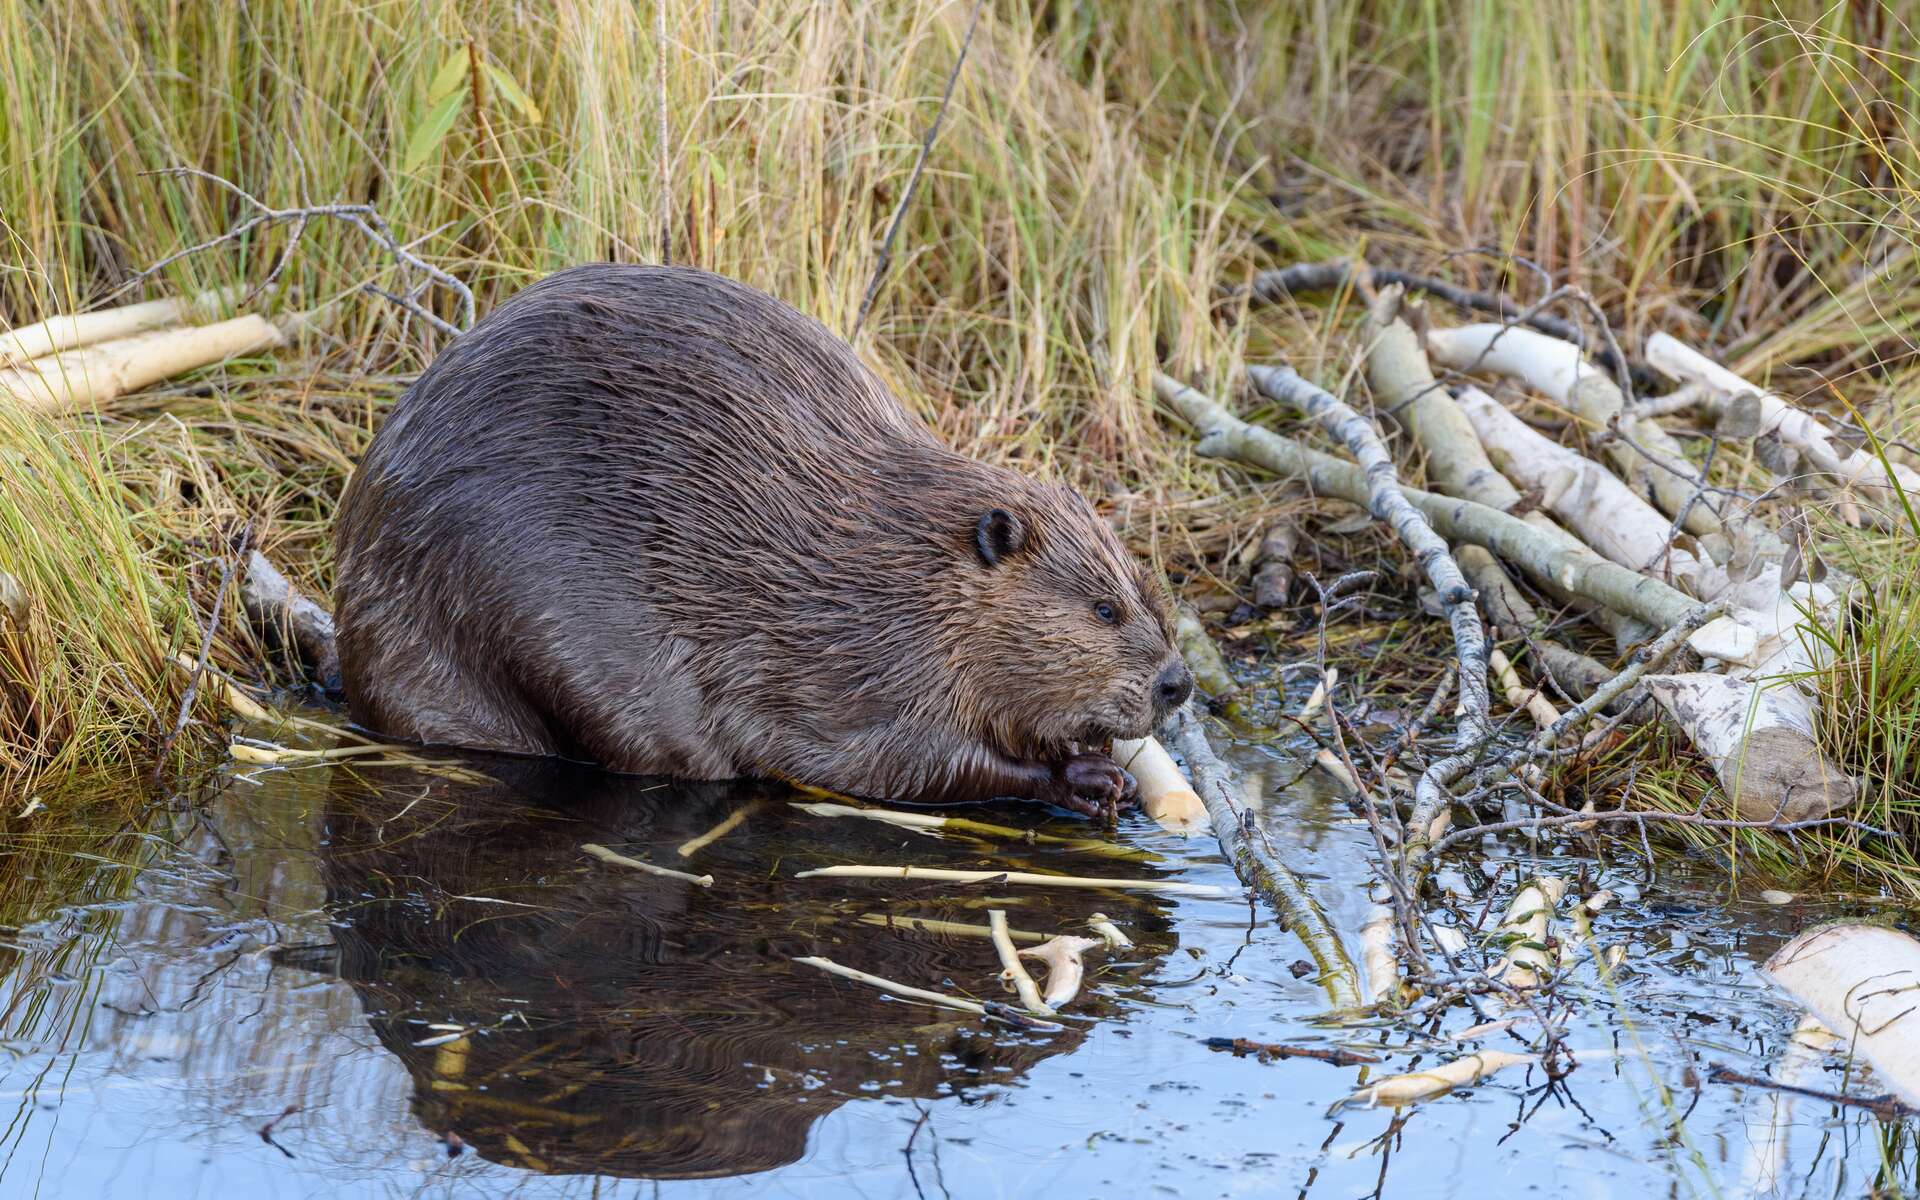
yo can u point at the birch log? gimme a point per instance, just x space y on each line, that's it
1761 743
70 330
1876 481
1560 561
1863 982
98 374
1457 464
1653 463
1601 510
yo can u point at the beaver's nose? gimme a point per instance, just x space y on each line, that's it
1172 687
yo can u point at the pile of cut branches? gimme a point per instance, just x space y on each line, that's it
1718 612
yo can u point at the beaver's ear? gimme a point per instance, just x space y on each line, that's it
998 534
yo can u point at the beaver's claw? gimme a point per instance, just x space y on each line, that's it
1092 784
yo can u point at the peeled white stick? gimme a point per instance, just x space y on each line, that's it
1420 1085
1588 499
95 375
1760 740
1520 696
1066 966
1769 1114
1165 794
1559 370
1013 877
620 860
1529 923
1801 430
1377 957
906 991
69 330
1011 968
1863 982
244 706
1104 926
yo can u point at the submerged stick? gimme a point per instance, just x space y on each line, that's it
1421 1085
1339 1056
620 860
1115 939
1066 965
1550 560
1527 926
932 823
1285 892
727 825
909 992
1376 951
1025 878
947 928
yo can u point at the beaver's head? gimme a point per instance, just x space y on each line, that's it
1074 643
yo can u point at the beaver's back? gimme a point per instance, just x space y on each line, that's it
629 491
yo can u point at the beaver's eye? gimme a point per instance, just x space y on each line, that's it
1106 613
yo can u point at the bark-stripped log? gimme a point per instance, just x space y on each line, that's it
1588 498
1875 480
1760 741
1652 461
1564 563
96 375
1863 982
70 330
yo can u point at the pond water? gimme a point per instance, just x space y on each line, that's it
364 982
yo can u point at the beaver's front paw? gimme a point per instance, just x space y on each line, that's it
1092 784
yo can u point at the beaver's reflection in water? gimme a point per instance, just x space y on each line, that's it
624 1024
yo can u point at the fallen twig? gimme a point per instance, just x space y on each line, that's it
1010 968
1887 1107
1339 1056
620 860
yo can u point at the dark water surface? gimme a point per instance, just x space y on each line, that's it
419 985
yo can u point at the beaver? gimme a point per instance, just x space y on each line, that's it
654 519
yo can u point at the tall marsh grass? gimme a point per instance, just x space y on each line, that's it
1103 172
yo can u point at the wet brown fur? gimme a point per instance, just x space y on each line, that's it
654 518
